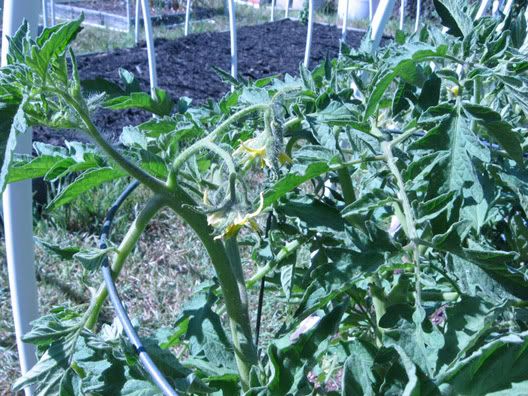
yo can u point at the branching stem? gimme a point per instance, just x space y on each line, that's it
152 207
407 209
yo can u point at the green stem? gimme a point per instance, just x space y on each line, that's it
224 126
356 162
346 185
230 283
200 145
407 210
125 248
151 182
285 252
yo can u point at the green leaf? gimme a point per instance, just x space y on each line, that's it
454 135
92 258
161 105
499 130
453 15
12 124
133 137
51 44
492 367
64 252
420 345
85 182
358 375
294 179
140 388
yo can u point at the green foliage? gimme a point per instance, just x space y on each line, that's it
383 197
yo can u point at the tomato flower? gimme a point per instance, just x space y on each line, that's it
231 218
258 150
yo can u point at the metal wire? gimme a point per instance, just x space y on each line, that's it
156 375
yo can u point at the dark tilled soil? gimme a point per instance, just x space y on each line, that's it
185 65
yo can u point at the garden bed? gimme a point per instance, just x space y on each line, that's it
113 14
185 66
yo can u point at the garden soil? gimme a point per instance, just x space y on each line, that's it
185 66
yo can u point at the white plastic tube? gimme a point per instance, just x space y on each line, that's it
371 11
137 23
344 27
309 32
18 213
45 13
482 9
233 40
149 35
379 21
127 4
187 17
52 12
403 3
287 10
418 14
272 17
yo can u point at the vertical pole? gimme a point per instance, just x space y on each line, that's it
482 9
149 35
45 13
187 15
379 21
309 34
136 26
418 12
233 40
287 11
52 12
18 211
371 10
344 27
272 18
402 12
128 15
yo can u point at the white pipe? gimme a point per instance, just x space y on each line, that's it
418 12
149 35
18 211
482 9
495 7
371 11
379 21
344 27
187 14
128 14
52 12
287 11
309 34
233 40
136 27
402 12
272 18
44 13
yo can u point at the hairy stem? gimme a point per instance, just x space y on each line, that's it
148 180
407 210
152 207
286 251
231 282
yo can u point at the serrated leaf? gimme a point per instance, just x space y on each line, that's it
92 258
85 182
499 130
12 124
161 105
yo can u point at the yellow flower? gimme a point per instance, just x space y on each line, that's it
256 150
455 90
240 221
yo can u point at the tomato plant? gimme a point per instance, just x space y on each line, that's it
383 197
